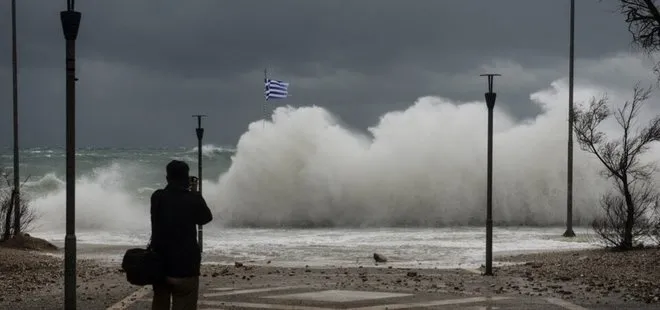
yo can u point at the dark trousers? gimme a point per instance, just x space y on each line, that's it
180 293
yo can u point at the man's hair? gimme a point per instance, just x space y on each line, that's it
177 170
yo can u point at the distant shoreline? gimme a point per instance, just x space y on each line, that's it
112 254
414 248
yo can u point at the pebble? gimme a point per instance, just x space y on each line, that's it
630 276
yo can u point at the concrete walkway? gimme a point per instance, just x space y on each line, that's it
311 298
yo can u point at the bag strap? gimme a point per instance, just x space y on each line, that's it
149 244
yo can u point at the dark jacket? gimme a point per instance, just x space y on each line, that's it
175 213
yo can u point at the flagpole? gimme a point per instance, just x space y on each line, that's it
265 96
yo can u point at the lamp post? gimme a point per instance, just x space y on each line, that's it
200 134
17 185
70 24
569 179
490 103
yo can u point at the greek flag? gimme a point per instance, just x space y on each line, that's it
276 89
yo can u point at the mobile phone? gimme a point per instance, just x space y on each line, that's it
193 183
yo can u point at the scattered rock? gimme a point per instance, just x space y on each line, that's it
534 265
379 258
626 276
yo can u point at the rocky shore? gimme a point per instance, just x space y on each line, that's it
587 277
34 279
592 275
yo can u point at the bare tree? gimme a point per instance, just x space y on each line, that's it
655 229
27 216
621 158
6 209
611 227
643 19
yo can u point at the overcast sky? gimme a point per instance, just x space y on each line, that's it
146 66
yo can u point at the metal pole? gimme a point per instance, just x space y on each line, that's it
17 185
490 103
569 182
200 134
70 24
263 108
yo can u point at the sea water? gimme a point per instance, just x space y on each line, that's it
301 187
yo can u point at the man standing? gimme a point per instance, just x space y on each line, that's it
176 211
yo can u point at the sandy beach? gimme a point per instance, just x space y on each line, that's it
34 280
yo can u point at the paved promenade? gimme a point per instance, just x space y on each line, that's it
311 298
263 287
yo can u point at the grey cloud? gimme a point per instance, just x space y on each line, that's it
146 66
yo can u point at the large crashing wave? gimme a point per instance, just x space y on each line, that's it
424 166
104 201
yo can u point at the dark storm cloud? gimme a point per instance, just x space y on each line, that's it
145 67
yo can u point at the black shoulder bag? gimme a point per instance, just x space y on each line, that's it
143 266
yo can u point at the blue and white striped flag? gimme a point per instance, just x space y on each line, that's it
276 89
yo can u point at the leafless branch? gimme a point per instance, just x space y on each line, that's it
643 21
611 226
27 215
626 214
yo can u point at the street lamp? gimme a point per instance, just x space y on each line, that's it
569 171
70 24
490 103
200 134
17 185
